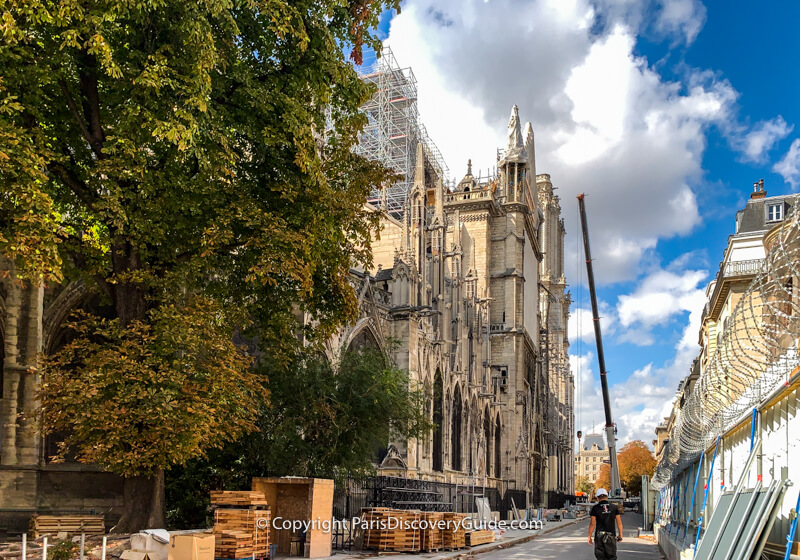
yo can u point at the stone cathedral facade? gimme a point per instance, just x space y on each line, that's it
469 284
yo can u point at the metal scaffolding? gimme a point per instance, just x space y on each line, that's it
393 128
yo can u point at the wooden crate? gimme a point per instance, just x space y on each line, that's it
239 499
474 538
41 525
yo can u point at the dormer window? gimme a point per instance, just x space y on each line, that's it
775 212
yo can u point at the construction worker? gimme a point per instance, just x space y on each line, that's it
604 524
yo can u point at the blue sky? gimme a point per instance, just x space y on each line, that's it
664 113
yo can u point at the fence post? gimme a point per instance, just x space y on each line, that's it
691 508
705 498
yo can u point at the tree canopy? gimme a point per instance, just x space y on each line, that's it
604 477
325 419
635 460
192 163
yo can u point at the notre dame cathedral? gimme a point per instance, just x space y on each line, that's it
469 282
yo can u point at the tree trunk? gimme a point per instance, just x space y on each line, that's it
144 496
144 504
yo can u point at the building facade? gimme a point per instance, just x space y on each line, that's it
472 284
591 454
745 383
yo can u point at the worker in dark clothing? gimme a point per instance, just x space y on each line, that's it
605 520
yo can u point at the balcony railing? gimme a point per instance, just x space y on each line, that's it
741 268
482 194
731 269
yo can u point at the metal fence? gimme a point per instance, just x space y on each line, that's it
352 494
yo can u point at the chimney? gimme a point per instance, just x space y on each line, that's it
758 189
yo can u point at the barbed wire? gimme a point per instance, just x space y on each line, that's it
752 352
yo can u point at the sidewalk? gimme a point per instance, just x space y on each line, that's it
508 539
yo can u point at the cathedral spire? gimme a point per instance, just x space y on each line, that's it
515 149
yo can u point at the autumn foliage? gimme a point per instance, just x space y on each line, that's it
150 395
635 460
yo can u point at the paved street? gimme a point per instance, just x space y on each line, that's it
570 543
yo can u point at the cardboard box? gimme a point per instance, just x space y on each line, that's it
197 546
135 555
156 550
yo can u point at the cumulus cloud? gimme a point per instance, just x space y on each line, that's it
640 401
606 122
789 166
660 296
755 144
581 322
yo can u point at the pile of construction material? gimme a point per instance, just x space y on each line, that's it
474 538
241 525
399 530
455 532
41 525
432 530
392 530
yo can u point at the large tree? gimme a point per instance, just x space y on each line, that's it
604 477
635 461
192 164
325 419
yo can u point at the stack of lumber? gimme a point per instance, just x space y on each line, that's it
431 537
455 533
237 499
41 525
241 531
392 530
474 538
233 544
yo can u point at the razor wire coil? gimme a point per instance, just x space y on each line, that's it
751 352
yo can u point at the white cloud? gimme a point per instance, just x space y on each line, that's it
581 322
789 166
606 123
660 296
755 144
684 17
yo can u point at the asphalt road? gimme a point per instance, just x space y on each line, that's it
570 543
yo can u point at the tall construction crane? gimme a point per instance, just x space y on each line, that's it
611 438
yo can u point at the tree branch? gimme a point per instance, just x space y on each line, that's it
74 184
91 105
75 112
79 259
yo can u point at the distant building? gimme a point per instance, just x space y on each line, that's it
592 453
